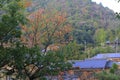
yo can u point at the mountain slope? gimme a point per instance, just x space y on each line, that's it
86 16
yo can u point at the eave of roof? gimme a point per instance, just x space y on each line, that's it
93 64
106 55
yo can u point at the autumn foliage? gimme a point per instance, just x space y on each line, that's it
45 27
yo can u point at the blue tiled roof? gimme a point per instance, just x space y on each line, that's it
91 64
107 55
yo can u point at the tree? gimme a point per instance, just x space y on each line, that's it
84 33
107 76
111 34
11 17
111 75
100 36
27 62
46 28
117 13
72 51
114 68
31 64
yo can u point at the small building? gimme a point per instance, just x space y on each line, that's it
93 64
86 69
108 56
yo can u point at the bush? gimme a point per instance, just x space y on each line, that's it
107 76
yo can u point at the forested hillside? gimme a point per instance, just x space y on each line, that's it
84 15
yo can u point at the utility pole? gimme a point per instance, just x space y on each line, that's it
85 46
116 45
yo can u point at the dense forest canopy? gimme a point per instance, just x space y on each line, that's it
84 15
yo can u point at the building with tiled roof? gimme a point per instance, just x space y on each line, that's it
108 56
93 64
86 69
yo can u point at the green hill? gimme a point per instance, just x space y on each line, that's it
84 15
